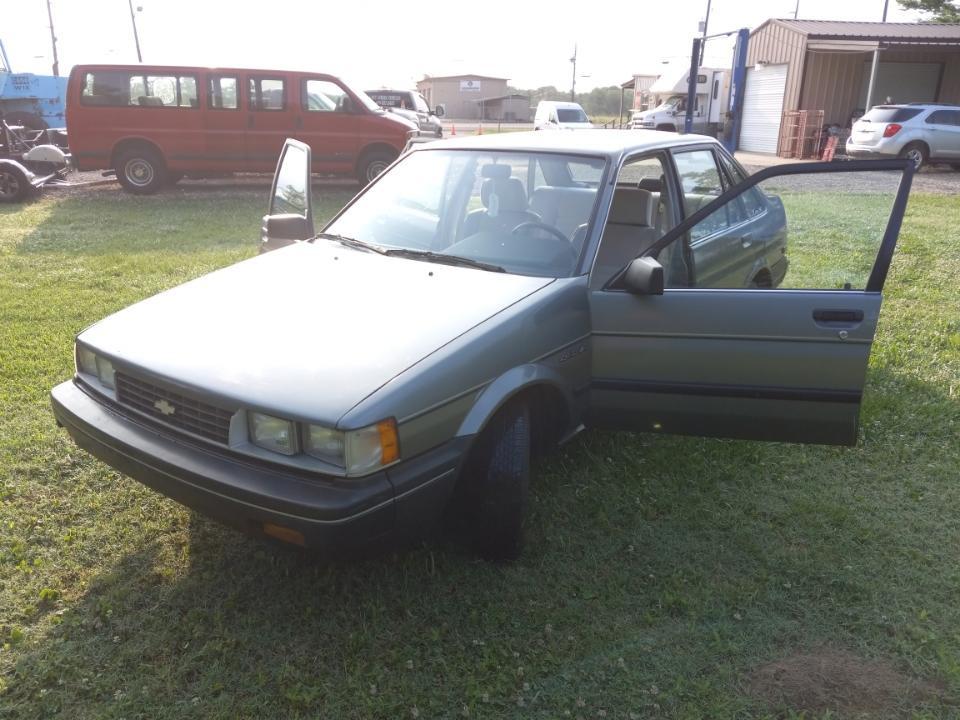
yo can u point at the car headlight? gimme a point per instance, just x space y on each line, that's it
356 451
90 363
273 433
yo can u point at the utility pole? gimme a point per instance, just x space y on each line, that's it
573 82
703 36
53 41
796 10
136 36
875 63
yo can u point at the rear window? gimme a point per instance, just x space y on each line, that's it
885 114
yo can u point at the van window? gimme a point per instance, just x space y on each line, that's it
222 92
324 96
267 94
118 89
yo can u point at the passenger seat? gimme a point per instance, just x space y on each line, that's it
628 231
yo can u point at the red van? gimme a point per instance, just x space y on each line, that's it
154 124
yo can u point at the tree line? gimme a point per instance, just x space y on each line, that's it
601 101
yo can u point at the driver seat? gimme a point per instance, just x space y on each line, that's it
505 206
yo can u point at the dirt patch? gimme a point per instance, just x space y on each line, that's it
839 681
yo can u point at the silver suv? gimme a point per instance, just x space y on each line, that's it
922 132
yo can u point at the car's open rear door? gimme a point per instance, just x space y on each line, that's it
744 359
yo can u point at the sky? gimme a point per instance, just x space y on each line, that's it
380 44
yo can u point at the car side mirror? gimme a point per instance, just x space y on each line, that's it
643 276
276 231
439 111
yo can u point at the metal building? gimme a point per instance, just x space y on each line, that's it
463 96
825 65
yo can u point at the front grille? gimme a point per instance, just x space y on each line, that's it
185 413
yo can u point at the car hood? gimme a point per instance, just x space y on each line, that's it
307 331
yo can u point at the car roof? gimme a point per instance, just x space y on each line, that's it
915 105
609 143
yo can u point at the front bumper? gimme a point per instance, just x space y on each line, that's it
329 513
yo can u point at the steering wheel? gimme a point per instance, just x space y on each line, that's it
540 226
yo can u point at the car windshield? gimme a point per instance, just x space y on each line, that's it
571 115
525 212
886 114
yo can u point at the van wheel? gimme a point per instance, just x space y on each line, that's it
14 186
916 152
372 165
141 171
496 483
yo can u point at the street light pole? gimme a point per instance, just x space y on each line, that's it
136 36
573 82
53 41
876 62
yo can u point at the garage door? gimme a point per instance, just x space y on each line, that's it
762 108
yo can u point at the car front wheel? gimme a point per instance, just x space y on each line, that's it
372 165
497 482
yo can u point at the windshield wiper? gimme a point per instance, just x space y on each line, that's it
352 242
443 259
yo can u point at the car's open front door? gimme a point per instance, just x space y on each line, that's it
777 350
290 216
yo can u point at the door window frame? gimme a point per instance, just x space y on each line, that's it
881 266
254 99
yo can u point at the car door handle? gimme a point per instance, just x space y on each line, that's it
837 318
249 121
299 122
746 240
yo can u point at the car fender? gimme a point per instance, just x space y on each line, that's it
497 393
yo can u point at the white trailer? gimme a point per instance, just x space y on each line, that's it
670 90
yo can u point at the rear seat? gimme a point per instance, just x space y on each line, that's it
629 230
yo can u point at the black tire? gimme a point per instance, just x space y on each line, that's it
667 128
26 119
372 164
141 170
917 152
955 166
14 186
497 483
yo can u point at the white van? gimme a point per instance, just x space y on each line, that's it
554 115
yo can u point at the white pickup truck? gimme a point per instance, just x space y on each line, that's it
671 87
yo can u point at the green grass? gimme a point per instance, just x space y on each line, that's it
659 571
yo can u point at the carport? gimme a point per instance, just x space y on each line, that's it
824 65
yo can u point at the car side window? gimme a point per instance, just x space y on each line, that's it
701 183
817 231
222 92
324 96
267 94
640 213
944 117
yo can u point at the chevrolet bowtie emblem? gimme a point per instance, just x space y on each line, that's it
164 407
